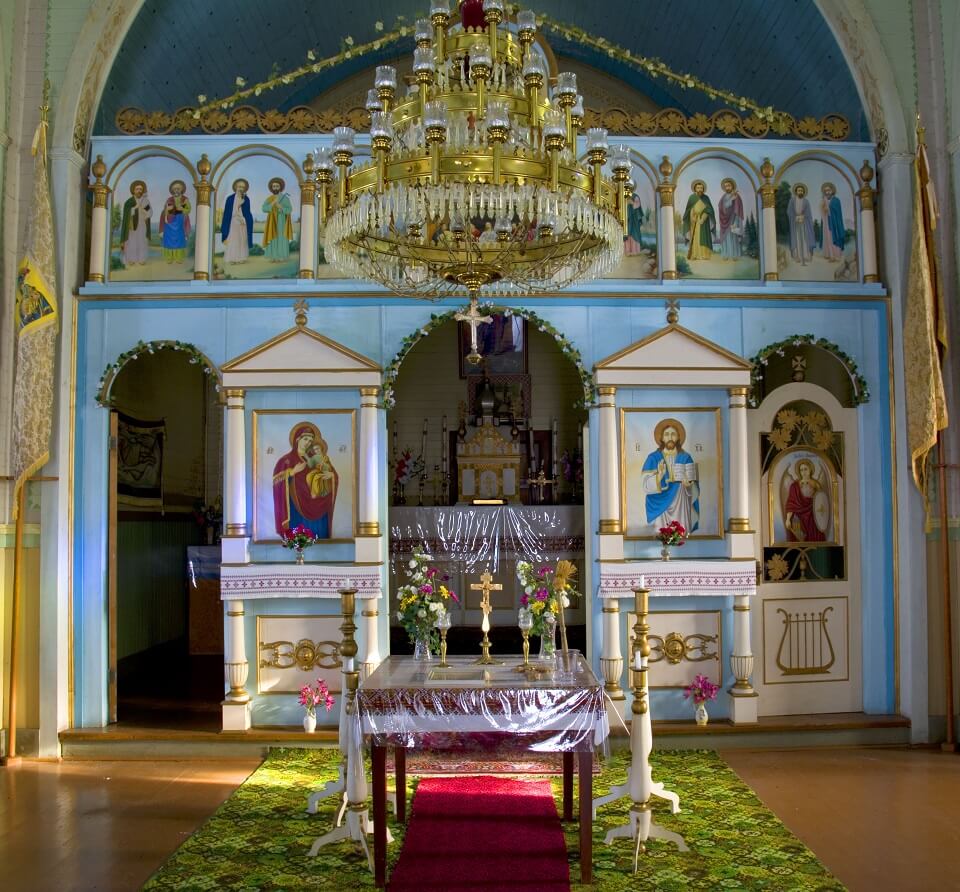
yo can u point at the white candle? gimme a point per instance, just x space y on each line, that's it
485 625
643 581
637 660
443 445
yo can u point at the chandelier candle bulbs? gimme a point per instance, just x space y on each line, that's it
473 185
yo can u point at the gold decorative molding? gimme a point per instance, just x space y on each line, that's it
368 528
620 122
675 648
304 655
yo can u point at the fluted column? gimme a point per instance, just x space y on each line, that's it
868 227
739 535
100 222
235 707
611 658
236 536
308 224
743 698
668 236
768 223
609 462
201 254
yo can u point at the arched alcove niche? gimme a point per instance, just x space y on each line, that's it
166 473
532 421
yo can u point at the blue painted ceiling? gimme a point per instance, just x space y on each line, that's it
778 53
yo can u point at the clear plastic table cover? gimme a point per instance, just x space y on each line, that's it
410 703
480 536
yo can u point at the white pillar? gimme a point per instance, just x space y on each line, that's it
235 707
368 531
868 229
668 238
236 540
743 698
611 657
740 537
100 222
609 462
308 228
201 254
768 223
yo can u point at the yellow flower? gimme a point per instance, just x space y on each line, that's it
537 607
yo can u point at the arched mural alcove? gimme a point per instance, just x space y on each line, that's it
466 449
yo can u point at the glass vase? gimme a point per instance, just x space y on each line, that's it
299 552
548 640
665 553
421 649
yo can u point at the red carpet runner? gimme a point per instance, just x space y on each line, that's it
482 833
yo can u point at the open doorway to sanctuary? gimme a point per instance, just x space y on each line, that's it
165 517
487 471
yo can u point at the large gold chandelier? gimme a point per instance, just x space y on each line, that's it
474 183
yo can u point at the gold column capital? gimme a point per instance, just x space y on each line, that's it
235 393
370 391
100 193
666 192
866 198
768 195
607 390
738 391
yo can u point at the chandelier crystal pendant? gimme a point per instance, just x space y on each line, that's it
474 183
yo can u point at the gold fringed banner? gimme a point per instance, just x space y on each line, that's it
923 330
35 322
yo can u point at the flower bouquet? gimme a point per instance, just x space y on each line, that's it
545 590
700 690
210 518
310 698
405 469
298 539
674 533
422 600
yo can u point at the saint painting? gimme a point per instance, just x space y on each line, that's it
135 226
732 220
633 238
305 484
833 232
669 479
699 223
805 501
175 223
278 229
800 216
236 229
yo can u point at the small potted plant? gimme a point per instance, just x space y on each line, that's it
310 698
298 539
674 533
700 690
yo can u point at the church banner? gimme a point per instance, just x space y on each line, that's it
140 461
671 469
36 322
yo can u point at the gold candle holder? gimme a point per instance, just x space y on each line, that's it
443 649
525 665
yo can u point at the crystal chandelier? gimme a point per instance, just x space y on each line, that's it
474 183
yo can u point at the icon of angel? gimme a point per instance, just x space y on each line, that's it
805 499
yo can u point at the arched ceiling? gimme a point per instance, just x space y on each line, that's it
780 54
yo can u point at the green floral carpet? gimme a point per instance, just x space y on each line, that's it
259 837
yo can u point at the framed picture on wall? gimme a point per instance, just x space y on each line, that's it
671 468
304 472
502 343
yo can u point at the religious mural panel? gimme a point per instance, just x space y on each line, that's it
804 498
257 223
671 469
304 473
293 651
816 223
717 224
640 239
152 222
806 640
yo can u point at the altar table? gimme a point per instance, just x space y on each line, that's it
407 704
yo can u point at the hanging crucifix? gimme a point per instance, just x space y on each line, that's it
486 585
473 318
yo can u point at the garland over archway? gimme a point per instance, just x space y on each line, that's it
437 319
141 348
859 390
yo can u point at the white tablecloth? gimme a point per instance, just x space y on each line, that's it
680 578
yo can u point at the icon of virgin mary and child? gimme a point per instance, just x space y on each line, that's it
305 484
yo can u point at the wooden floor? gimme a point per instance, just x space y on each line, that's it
878 818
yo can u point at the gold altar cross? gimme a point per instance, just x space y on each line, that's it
486 585
473 317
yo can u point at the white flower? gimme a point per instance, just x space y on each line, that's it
528 589
412 564
202 99
421 613
311 55
378 26
348 40
240 82
565 600
399 616
436 606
